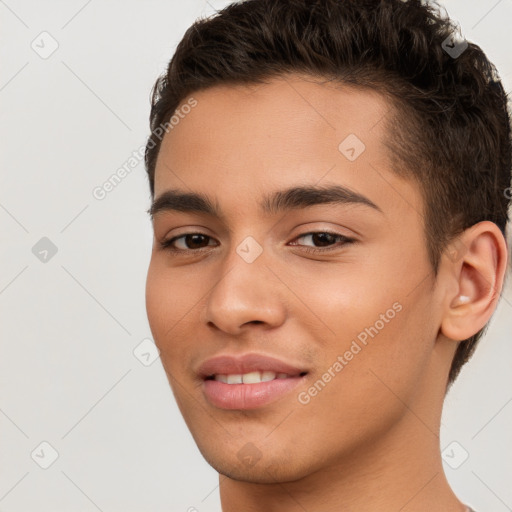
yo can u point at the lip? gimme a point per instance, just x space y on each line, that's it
245 363
247 396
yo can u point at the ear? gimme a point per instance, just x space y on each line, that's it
476 265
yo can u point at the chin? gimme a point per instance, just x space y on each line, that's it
265 470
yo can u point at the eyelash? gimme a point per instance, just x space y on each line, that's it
167 244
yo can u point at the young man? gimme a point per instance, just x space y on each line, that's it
329 184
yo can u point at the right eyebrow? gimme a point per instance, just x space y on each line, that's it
278 201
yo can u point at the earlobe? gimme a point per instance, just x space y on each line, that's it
479 275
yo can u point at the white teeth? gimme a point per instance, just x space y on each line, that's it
249 378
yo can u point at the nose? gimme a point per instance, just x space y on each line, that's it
245 294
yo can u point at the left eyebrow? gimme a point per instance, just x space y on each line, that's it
276 202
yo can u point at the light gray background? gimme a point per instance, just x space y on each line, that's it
68 374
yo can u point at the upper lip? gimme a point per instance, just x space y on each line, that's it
240 364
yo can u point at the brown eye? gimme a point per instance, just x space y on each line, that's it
191 242
322 238
323 241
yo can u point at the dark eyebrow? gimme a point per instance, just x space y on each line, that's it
280 201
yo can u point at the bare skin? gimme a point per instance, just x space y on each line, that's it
369 439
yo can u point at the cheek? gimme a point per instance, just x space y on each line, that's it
173 299
156 300
165 304
375 376
170 293
380 321
344 301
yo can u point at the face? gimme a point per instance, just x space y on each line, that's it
338 289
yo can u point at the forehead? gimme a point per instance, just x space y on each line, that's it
241 140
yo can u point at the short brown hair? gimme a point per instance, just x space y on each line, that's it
449 128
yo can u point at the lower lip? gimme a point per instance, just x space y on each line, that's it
248 396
